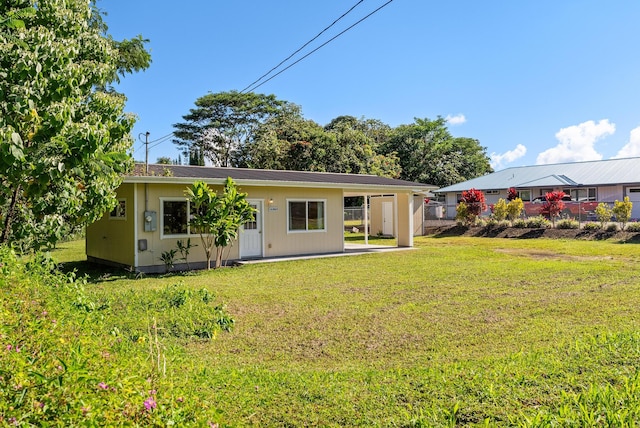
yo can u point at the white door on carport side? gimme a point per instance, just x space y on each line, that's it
387 218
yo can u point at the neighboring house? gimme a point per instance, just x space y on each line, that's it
299 213
593 181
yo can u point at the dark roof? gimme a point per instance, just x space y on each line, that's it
247 174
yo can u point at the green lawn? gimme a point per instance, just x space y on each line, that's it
462 331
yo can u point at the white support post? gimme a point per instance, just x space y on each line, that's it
366 219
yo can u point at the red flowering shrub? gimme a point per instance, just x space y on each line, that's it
475 204
553 205
512 193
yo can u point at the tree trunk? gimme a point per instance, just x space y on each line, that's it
219 251
9 217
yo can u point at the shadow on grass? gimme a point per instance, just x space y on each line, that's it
359 237
97 273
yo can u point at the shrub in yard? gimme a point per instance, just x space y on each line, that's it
474 204
500 210
611 227
622 211
553 205
603 214
633 227
514 209
591 226
567 223
538 222
519 223
462 213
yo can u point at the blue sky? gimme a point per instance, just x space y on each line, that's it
534 81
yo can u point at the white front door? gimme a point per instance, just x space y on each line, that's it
387 218
251 234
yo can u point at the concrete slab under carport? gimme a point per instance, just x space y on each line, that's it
349 250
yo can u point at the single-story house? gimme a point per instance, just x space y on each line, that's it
298 213
595 181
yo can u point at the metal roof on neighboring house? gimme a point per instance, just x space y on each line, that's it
592 173
247 176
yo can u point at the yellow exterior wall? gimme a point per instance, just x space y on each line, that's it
277 240
112 239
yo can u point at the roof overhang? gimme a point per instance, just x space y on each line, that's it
349 189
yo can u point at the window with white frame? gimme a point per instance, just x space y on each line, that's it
306 215
119 212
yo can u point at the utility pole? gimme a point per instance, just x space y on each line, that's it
146 151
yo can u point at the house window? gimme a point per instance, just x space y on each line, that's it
525 195
306 215
175 220
492 192
584 194
120 211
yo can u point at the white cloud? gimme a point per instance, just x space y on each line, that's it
498 160
458 119
577 142
632 148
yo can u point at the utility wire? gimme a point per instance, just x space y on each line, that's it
319 47
301 47
161 138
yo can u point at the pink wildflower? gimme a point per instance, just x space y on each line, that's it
212 425
103 385
150 404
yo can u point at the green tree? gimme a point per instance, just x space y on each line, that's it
222 123
622 211
357 147
429 154
218 218
64 136
283 141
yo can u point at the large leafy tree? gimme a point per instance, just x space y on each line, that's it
64 136
428 153
222 123
346 144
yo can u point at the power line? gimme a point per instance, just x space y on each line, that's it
319 47
161 140
301 47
